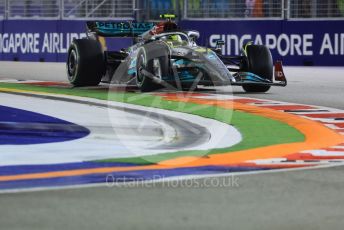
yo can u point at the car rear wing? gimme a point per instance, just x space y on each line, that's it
119 29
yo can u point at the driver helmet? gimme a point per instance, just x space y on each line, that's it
175 38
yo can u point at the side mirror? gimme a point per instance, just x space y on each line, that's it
219 44
194 35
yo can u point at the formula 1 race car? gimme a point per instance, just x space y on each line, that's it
163 55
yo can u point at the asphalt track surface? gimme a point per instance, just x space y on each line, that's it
300 199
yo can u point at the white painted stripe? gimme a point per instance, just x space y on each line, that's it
104 141
324 120
267 161
215 97
330 121
331 110
19 81
324 153
310 112
4 80
283 161
332 126
268 103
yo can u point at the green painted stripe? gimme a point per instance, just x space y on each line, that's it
257 131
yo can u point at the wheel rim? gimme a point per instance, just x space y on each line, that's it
141 63
72 64
157 68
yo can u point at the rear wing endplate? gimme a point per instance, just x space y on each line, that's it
119 29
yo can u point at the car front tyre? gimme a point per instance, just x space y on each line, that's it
258 61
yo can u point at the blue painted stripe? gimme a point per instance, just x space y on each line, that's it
27 169
140 175
20 127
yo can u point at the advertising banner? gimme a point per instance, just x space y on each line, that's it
293 42
319 43
44 40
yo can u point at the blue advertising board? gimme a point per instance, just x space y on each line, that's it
45 40
293 42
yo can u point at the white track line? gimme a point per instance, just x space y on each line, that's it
104 141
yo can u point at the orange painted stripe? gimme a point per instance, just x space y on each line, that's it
317 136
247 101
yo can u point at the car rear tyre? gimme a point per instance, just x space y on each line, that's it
258 61
85 63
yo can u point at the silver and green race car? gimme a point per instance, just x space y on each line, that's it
165 56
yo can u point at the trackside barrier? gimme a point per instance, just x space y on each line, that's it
302 42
